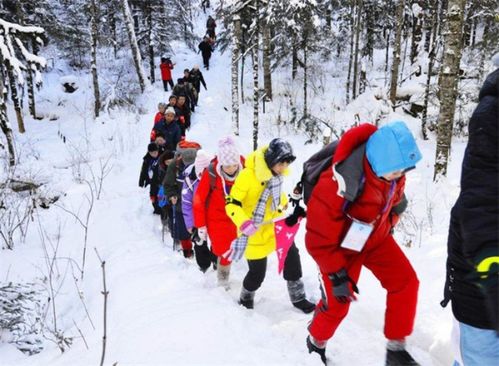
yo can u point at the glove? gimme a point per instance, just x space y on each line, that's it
248 228
236 251
343 286
298 212
202 233
195 236
296 195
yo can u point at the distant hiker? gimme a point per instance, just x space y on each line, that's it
183 114
166 67
149 175
193 174
188 78
256 198
197 78
206 51
185 88
472 283
161 113
210 27
172 183
172 100
351 213
169 129
205 4
160 142
209 204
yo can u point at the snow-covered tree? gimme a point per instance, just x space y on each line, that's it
17 60
448 81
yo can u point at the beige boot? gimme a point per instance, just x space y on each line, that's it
223 273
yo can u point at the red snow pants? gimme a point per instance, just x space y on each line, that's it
392 268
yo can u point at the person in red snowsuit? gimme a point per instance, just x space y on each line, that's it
366 183
209 203
166 67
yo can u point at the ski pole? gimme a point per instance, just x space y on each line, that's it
174 220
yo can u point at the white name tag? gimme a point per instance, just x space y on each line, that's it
357 236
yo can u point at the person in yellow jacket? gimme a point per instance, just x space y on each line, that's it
256 198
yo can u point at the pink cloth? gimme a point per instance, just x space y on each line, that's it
284 236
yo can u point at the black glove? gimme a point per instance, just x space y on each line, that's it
195 236
342 290
298 212
296 196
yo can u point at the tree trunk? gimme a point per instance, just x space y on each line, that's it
399 20
112 21
417 35
294 60
267 77
350 60
243 59
93 65
428 21
150 43
137 58
305 78
31 91
432 56
356 50
5 125
235 74
15 97
448 81
254 56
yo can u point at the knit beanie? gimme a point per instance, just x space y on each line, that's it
202 161
392 148
170 110
279 151
228 153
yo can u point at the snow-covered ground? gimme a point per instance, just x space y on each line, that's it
161 309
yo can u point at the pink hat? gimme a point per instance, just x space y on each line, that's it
202 161
228 153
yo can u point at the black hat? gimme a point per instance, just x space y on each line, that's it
187 70
152 147
180 81
279 151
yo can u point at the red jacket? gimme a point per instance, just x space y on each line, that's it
166 70
209 211
158 117
327 222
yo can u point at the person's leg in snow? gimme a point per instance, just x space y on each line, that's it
223 272
389 264
292 273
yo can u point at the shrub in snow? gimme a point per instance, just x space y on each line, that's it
21 314
69 83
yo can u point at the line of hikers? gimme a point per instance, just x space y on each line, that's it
354 193
234 201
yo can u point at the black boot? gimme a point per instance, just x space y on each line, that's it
399 358
320 351
304 305
247 298
296 292
187 253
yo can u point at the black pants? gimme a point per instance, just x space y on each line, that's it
206 59
258 267
165 84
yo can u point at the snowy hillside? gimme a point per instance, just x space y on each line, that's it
161 309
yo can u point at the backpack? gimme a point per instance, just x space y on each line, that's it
313 168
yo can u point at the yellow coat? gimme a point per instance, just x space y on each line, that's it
247 190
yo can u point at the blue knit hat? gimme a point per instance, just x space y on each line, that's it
392 148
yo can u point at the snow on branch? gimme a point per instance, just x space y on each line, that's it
17 57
